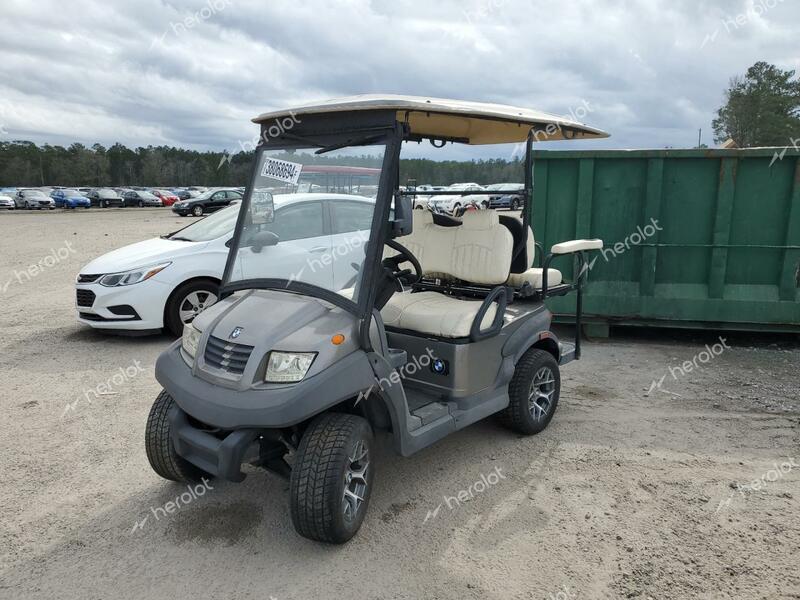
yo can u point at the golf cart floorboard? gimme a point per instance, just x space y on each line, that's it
424 407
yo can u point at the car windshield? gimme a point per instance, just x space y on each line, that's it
107 193
317 237
71 192
505 187
147 196
35 194
212 227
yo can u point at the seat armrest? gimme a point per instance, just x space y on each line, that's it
576 246
499 295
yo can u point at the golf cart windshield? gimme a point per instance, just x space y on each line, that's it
307 218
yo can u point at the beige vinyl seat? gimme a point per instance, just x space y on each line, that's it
477 251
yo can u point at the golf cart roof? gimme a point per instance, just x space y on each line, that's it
469 122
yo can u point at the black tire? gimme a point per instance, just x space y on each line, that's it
160 450
320 478
197 210
530 411
515 204
172 317
140 204
457 209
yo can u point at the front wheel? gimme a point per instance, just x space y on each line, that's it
140 204
197 211
331 479
533 393
160 450
515 204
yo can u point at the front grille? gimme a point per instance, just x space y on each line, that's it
85 297
87 278
227 356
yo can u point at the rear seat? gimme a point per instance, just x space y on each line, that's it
521 270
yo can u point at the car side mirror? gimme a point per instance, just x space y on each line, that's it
403 221
261 239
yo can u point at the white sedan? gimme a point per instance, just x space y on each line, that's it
166 282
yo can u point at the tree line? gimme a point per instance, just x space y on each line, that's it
24 164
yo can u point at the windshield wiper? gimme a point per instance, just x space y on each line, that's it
179 239
360 142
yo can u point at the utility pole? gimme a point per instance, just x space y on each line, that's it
700 138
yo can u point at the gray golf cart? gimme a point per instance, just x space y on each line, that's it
343 311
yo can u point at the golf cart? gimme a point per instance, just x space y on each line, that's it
375 317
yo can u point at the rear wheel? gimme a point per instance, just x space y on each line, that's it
331 480
533 393
160 450
197 211
187 301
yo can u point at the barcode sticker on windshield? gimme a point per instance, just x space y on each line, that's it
281 170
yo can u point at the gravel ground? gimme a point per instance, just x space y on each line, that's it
687 490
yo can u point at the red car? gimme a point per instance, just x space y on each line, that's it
167 197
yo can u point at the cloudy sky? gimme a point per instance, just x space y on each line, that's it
192 73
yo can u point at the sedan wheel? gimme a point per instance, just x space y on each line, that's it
188 301
195 303
197 211
140 204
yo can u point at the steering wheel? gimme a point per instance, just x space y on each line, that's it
392 264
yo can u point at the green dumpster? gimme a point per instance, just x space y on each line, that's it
693 238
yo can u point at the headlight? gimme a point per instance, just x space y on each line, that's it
191 339
132 276
288 367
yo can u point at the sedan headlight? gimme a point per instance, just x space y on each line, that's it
132 276
288 367
191 339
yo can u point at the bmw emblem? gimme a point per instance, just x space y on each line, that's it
237 331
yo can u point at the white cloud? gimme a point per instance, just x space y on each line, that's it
139 73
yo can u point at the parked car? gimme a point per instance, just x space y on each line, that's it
206 202
105 197
512 198
70 199
451 204
167 197
7 202
85 191
140 198
32 198
168 281
182 194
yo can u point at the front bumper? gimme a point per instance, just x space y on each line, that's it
98 306
221 455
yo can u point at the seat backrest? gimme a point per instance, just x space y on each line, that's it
524 260
477 251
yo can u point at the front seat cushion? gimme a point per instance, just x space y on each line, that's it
435 314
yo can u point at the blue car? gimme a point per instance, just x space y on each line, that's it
70 199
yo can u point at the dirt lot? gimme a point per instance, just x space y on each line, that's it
687 491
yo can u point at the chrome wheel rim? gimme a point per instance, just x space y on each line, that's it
355 480
540 395
195 303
